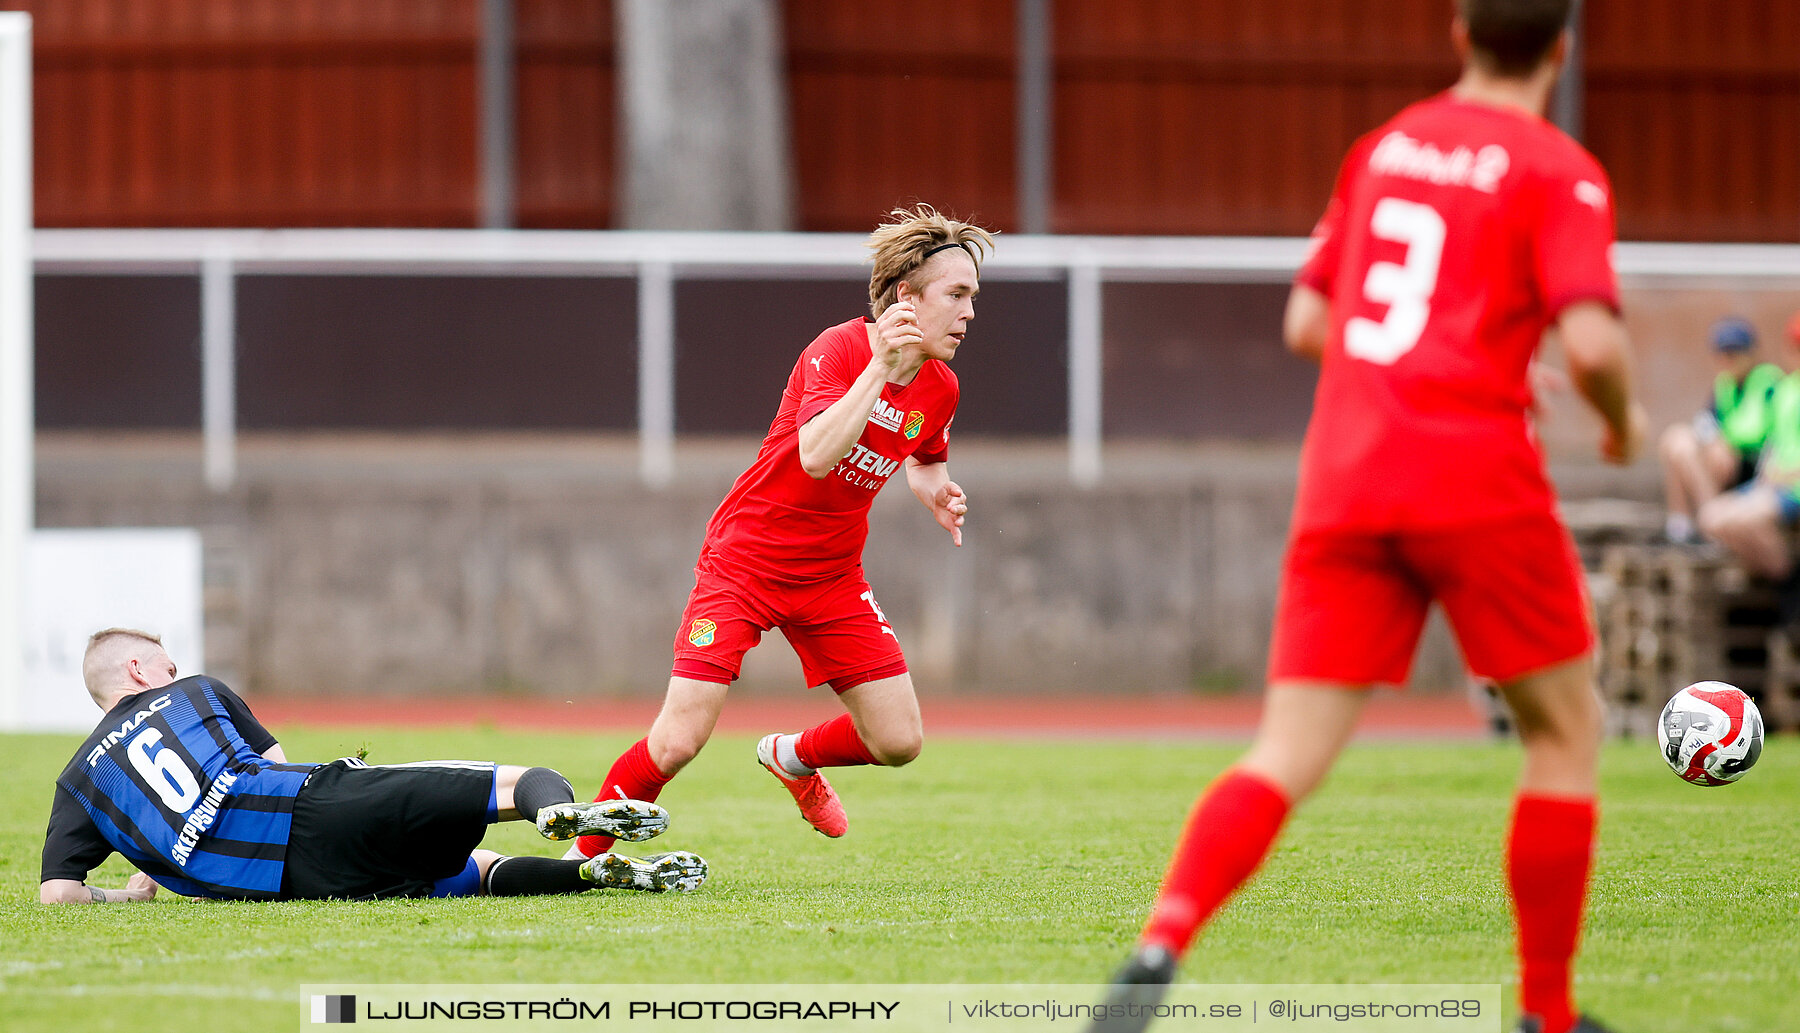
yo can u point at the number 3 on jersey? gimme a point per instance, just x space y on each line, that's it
1405 288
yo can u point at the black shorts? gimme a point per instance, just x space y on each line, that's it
1746 471
363 832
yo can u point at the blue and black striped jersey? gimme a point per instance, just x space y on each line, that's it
173 779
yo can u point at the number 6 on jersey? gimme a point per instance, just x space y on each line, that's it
163 771
1405 289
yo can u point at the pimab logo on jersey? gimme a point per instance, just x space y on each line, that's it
915 422
1400 155
702 632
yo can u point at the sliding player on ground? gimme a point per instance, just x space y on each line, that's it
183 780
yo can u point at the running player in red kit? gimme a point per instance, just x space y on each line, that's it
1457 234
866 399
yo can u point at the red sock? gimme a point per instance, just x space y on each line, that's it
833 744
634 776
1548 854
1228 834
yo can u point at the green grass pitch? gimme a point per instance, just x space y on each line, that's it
984 861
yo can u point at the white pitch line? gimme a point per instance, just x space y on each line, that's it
114 991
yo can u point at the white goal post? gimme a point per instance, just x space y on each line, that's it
16 401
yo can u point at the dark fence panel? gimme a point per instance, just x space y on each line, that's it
498 353
1202 360
737 340
118 351
405 352
1014 365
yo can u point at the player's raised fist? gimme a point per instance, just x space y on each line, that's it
897 328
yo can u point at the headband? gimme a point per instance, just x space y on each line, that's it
922 260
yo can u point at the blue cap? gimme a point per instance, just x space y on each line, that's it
1733 335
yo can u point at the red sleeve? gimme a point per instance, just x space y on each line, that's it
1574 240
828 368
1321 265
937 450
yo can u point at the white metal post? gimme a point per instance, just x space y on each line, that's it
656 372
17 412
1084 374
218 367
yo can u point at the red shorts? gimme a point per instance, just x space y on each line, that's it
841 635
1352 605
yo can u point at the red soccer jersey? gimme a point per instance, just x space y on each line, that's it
1455 236
782 523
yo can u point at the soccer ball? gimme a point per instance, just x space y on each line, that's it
1711 733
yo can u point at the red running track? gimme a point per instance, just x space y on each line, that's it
1389 714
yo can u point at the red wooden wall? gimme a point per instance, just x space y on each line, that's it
900 102
565 113
1695 110
1221 117
1171 116
310 112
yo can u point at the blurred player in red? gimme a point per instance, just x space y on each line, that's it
1458 233
784 550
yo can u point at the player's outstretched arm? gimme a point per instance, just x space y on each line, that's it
139 887
1599 354
1306 322
944 497
829 436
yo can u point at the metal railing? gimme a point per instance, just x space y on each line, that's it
658 260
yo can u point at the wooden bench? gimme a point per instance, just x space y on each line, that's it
1669 616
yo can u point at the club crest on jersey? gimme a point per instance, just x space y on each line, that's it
915 422
885 415
702 632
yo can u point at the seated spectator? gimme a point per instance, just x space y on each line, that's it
1755 520
1719 448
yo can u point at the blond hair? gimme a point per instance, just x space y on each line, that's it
104 652
902 247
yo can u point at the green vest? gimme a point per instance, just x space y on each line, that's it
1782 449
1743 408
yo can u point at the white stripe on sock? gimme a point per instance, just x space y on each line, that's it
787 754
487 880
